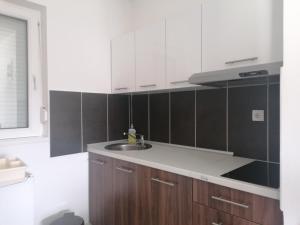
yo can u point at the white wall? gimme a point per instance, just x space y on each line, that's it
290 111
78 33
57 184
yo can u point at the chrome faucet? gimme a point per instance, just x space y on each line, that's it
141 140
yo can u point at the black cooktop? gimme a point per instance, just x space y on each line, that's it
257 172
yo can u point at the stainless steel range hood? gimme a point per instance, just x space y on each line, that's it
261 70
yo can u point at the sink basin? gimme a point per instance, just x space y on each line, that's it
127 147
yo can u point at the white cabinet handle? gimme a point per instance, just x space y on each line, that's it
98 162
241 60
230 202
179 82
149 85
124 170
121 88
163 182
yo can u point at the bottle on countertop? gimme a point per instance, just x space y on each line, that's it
131 135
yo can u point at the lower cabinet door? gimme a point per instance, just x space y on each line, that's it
171 199
100 190
206 216
125 193
239 221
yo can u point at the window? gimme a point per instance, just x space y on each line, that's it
20 72
13 73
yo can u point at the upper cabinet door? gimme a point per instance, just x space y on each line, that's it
241 32
150 57
123 64
184 48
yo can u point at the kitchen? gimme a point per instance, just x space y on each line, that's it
110 64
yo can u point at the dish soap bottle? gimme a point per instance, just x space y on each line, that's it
131 135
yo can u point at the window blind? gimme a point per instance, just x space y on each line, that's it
13 73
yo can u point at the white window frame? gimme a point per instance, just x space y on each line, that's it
35 92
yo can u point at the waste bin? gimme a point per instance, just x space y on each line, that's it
68 219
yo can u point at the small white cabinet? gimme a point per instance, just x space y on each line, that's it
241 32
150 57
123 63
184 48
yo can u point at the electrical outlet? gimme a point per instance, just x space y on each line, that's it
258 115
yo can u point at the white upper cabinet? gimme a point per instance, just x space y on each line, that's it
241 32
184 48
123 64
150 58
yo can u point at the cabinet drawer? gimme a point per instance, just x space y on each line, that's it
125 168
99 159
203 215
232 201
238 203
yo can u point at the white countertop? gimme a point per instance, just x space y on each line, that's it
199 164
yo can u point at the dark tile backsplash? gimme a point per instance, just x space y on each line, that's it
274 125
78 119
140 114
223 118
211 119
65 123
118 116
183 118
159 117
247 138
94 118
216 118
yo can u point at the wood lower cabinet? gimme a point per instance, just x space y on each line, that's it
203 215
258 209
123 193
206 216
100 190
171 199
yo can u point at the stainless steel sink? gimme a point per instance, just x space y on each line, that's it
127 147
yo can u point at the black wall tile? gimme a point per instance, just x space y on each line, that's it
211 119
65 123
247 138
118 116
274 122
140 114
183 118
159 117
94 118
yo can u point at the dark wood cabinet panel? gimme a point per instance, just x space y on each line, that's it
144 195
240 221
245 205
246 210
206 216
100 190
171 199
125 193
200 192
267 211
215 193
